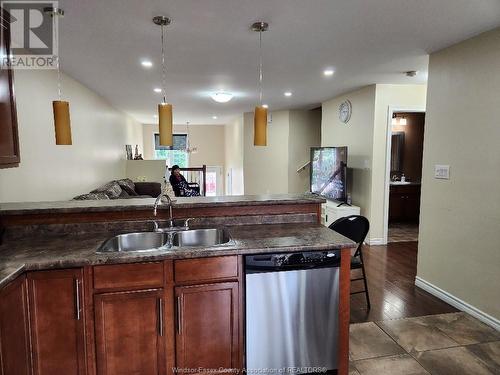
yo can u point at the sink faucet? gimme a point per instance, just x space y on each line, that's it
158 202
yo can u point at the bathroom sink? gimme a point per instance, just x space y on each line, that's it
201 237
400 182
141 241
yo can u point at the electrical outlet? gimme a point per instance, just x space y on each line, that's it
442 172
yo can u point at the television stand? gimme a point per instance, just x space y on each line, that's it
333 210
344 203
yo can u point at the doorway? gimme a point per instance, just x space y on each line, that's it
404 175
214 182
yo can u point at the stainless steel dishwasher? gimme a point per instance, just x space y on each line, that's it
292 312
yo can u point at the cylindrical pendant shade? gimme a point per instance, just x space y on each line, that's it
62 122
260 126
165 124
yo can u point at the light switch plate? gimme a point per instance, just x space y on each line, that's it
442 172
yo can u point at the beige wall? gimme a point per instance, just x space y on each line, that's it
365 135
209 139
397 96
357 135
234 157
266 168
50 172
304 133
459 249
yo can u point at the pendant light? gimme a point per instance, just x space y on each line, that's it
165 123
189 149
62 123
260 114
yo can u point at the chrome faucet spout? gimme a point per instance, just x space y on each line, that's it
158 202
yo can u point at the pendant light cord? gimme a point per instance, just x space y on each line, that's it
163 67
260 67
55 28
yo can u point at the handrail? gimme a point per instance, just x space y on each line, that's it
303 167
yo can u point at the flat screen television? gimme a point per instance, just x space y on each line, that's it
328 172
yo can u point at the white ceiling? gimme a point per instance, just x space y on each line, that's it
210 47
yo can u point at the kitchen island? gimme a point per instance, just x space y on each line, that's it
63 306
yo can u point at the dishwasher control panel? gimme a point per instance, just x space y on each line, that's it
297 260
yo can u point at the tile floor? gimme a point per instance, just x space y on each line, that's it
402 232
445 344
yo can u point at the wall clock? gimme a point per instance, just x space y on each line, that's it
345 110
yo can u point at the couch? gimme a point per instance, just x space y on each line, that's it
123 189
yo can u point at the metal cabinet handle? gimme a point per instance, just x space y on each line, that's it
77 299
179 317
160 316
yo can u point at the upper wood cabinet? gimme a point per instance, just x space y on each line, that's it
207 326
57 322
14 336
9 138
130 333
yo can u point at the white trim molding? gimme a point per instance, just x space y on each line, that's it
457 302
376 241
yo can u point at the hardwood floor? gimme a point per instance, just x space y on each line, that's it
391 271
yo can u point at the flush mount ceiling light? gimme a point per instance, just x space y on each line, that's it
222 96
62 122
165 123
146 63
260 113
328 72
287 94
214 117
157 90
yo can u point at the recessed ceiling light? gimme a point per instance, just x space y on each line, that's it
265 106
146 63
222 96
328 72
157 89
214 117
287 93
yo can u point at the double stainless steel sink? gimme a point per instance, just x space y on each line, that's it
152 241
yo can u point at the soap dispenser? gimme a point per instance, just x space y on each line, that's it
403 178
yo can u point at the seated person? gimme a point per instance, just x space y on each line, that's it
180 185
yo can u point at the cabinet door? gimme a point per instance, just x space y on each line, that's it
396 205
9 140
57 325
207 326
130 329
14 337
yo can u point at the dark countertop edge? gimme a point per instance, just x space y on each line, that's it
278 200
188 253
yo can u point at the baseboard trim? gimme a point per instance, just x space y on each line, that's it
376 241
457 302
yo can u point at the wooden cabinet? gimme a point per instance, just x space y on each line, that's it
130 333
57 322
14 336
404 203
207 326
9 139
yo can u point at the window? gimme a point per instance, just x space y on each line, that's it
175 154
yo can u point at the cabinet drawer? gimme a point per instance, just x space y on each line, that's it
206 269
129 276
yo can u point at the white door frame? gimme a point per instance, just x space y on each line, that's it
390 112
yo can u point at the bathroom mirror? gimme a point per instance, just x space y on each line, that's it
397 147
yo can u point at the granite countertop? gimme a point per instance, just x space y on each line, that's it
75 206
407 183
64 251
